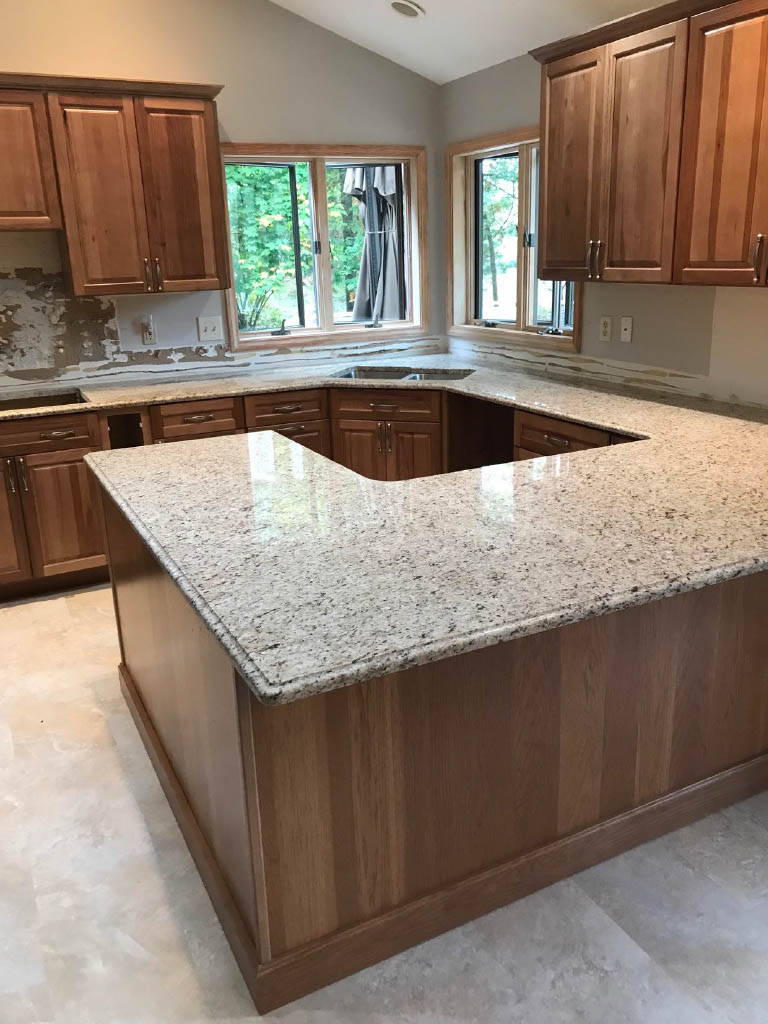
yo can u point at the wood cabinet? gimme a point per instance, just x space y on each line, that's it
723 209
14 554
644 89
315 435
208 417
281 408
572 102
413 449
183 189
537 435
142 193
61 512
359 445
29 197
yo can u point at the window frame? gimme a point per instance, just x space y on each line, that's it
462 199
414 161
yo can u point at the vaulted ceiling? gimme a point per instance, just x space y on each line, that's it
457 37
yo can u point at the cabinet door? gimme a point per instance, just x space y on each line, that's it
413 449
14 556
61 512
29 197
645 83
181 164
97 157
723 205
571 112
359 445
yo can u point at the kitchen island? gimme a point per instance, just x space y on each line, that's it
379 708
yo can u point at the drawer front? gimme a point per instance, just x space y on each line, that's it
49 434
314 434
375 403
544 435
198 437
285 407
179 421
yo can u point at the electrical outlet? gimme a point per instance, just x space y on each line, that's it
210 328
148 330
605 328
626 330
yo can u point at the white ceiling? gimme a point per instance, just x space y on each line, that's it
457 37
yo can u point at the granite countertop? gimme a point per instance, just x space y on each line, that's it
313 577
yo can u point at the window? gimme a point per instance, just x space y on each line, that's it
495 290
325 243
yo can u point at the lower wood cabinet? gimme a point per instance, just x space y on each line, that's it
61 512
537 435
388 450
315 435
14 553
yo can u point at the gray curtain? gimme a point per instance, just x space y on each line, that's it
378 295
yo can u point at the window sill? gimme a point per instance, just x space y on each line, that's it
522 339
255 343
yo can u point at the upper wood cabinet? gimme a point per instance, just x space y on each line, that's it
723 208
102 193
183 188
28 194
142 193
572 130
644 89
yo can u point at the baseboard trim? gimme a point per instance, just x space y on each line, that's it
336 956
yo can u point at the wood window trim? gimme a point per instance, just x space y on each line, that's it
417 262
459 242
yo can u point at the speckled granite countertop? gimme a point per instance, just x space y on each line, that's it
313 577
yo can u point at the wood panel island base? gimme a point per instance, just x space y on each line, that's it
336 830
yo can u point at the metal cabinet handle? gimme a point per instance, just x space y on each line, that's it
556 439
10 476
57 435
380 437
158 274
590 247
23 474
757 258
287 408
598 272
384 406
389 437
291 429
147 275
199 417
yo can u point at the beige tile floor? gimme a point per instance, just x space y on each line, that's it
103 918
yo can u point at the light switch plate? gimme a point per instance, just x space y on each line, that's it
210 328
625 334
605 328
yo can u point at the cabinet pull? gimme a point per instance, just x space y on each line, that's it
389 437
380 437
158 274
757 258
198 417
57 435
590 247
292 429
598 271
23 474
10 478
556 439
147 275
384 406
287 408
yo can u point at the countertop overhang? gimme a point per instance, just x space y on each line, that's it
313 577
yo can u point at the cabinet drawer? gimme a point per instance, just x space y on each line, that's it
314 434
285 407
178 421
49 433
544 435
374 403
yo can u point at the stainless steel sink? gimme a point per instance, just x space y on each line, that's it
438 374
42 401
373 372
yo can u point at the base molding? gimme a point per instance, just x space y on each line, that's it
336 956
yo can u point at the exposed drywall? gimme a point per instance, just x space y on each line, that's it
285 80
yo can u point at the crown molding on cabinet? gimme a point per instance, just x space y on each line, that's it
68 83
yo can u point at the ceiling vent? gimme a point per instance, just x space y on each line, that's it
407 8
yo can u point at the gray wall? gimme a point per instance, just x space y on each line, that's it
286 80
